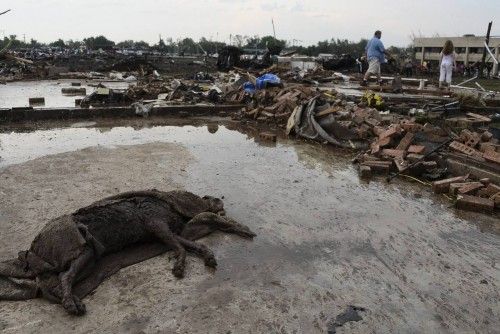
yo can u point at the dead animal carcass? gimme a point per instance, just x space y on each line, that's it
74 253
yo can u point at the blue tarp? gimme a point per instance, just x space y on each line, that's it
266 79
261 83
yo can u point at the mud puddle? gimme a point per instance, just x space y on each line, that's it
326 240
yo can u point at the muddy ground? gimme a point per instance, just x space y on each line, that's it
326 240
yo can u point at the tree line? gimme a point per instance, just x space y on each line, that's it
190 46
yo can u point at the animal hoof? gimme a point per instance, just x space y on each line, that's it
211 262
74 306
247 233
178 272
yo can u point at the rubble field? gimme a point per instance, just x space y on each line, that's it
332 250
375 208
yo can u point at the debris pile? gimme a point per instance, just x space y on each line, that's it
275 104
409 148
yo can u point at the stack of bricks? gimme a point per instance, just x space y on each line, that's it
477 196
481 147
394 149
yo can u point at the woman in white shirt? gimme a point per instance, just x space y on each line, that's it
447 62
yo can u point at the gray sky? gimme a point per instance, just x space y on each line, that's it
308 21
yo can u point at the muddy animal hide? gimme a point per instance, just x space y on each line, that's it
155 222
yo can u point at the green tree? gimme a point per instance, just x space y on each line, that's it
58 44
128 44
99 42
141 45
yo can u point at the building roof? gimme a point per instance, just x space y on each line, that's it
470 41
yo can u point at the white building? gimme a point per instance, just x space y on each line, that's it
469 49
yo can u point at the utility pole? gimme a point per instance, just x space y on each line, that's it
274 30
487 41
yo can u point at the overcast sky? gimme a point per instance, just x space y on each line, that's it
307 21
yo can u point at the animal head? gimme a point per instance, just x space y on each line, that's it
215 204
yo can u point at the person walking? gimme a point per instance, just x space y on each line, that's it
447 62
375 52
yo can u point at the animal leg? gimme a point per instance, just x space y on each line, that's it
71 303
199 249
208 222
161 230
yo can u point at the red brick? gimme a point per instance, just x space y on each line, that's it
457 146
406 141
267 136
378 166
490 190
412 127
474 203
443 186
455 186
393 153
377 145
365 171
417 149
492 156
470 188
484 147
391 132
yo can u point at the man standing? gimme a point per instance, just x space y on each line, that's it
375 52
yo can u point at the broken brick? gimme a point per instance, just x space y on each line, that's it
443 186
474 203
393 153
490 190
412 127
406 141
457 146
455 186
470 188
391 132
492 156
